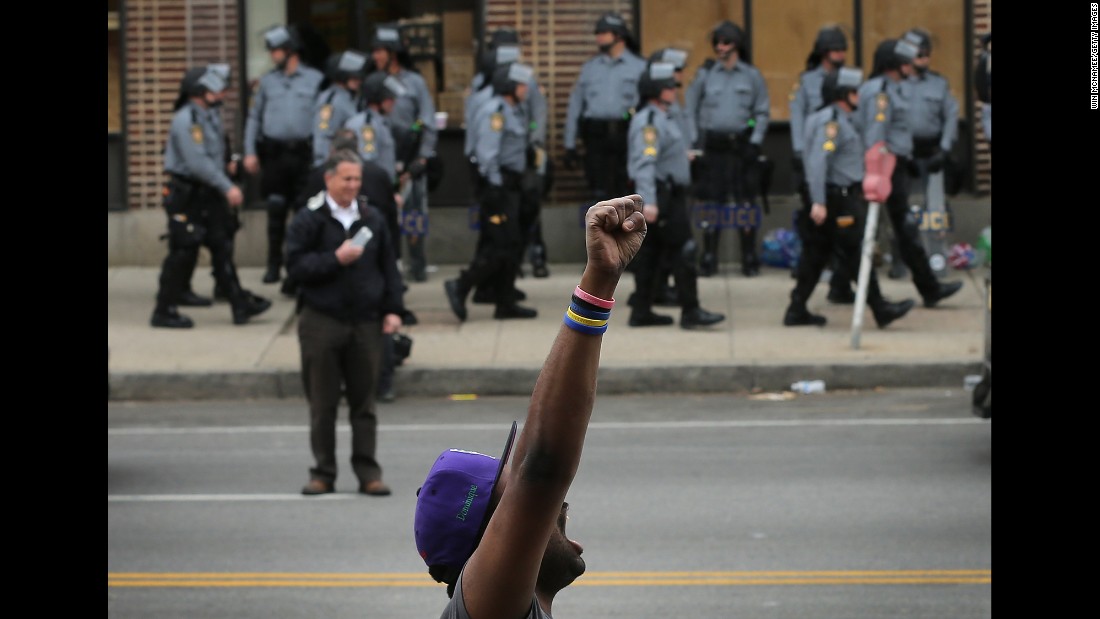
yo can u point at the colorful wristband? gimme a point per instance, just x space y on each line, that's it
587 311
576 326
594 300
591 322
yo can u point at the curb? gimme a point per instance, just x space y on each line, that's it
441 382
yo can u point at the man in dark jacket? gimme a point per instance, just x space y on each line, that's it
341 252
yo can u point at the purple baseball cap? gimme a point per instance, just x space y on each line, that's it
451 506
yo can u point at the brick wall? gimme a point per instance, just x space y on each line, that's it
162 40
983 164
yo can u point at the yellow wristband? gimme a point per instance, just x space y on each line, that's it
584 321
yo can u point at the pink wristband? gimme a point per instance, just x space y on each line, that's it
594 300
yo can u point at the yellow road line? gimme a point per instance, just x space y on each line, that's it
592 579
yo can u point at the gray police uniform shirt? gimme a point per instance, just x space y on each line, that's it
683 120
416 104
534 109
834 151
282 107
196 147
607 89
883 114
721 99
656 151
376 142
334 106
473 103
804 101
935 112
500 139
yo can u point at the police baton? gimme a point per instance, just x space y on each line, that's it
879 166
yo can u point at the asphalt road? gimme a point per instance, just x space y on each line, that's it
862 504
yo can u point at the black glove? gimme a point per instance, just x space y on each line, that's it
937 161
571 159
796 163
752 151
417 168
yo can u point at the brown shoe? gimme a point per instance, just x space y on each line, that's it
375 488
316 486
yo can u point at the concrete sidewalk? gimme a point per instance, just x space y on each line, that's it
751 350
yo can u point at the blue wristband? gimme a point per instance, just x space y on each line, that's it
576 326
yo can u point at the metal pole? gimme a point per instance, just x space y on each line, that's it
865 267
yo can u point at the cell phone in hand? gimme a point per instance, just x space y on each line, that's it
362 237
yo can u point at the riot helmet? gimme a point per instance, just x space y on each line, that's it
923 40
379 86
198 81
346 65
839 83
892 54
506 77
612 22
729 32
282 37
656 77
675 57
388 37
830 39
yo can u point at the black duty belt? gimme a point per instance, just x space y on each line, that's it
925 147
605 127
288 145
725 140
843 190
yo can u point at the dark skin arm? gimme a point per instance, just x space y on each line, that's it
499 579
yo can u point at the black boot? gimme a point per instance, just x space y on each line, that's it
169 317
708 263
798 315
190 299
942 291
649 318
699 317
537 256
750 262
886 312
244 304
456 296
271 275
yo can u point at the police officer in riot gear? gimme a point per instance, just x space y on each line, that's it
502 50
500 145
337 103
730 109
278 136
658 164
666 293
935 111
833 156
600 106
412 121
504 47
829 53
372 125
198 199
886 115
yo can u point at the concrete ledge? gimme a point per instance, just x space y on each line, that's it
439 382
